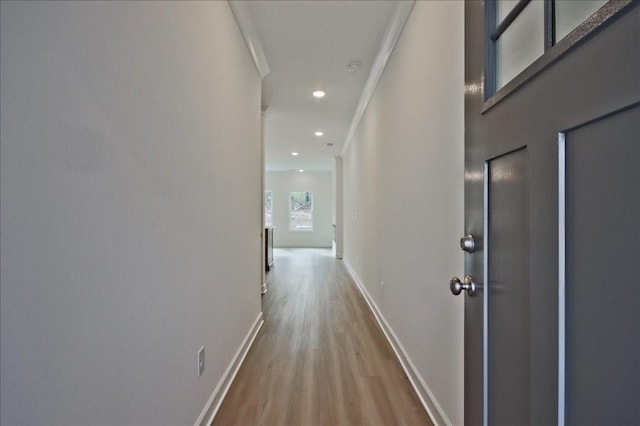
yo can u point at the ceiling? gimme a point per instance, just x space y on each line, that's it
307 46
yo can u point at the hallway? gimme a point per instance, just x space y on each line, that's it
320 357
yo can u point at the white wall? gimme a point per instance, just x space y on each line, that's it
403 197
130 173
281 184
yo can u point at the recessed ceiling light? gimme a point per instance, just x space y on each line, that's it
294 153
319 94
319 133
301 171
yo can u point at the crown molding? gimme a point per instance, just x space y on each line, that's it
391 36
244 19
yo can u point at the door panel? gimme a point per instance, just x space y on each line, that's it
509 289
568 86
602 234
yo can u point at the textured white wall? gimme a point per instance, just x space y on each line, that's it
403 197
281 184
130 208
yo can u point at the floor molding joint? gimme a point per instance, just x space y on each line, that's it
217 397
426 397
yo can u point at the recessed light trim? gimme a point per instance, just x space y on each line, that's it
295 154
319 133
319 94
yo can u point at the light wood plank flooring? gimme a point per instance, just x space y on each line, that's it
320 358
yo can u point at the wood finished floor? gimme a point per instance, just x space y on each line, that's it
320 358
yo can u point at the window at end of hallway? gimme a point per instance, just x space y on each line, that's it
301 211
268 209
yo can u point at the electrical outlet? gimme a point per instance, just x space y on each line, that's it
200 361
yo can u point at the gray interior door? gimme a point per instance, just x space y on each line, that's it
552 198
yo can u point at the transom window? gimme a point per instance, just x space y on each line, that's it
520 31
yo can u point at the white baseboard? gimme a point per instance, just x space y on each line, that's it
215 401
429 402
